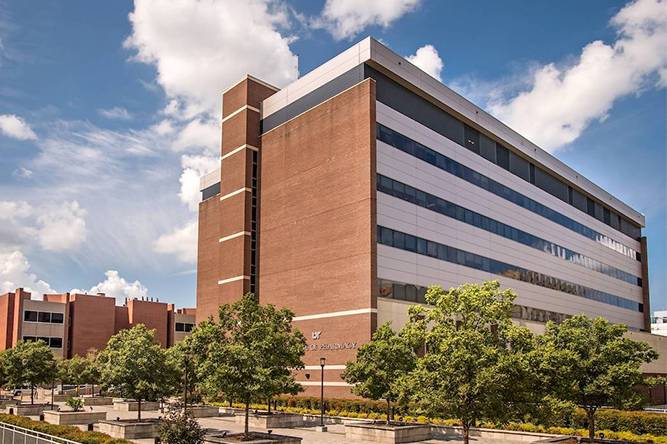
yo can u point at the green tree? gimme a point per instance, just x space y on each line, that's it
589 362
179 427
135 366
379 365
476 363
29 362
249 354
79 370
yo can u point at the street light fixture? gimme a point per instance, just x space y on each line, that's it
322 363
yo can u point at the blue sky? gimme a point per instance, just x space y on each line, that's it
109 110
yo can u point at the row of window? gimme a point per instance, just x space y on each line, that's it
51 342
434 203
184 326
438 160
424 112
408 242
416 293
43 316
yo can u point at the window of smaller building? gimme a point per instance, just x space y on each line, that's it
56 342
57 318
44 339
30 316
29 338
180 326
44 316
189 327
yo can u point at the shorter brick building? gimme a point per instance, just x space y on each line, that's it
74 324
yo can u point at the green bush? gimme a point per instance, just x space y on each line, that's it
74 403
67 432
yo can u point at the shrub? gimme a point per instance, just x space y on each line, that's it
67 432
179 427
74 403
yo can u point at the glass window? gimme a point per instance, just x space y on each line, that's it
189 327
519 167
44 316
503 156
57 318
550 184
472 139
180 326
30 316
56 342
487 148
29 338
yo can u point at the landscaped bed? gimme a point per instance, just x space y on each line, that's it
130 428
68 432
255 438
393 433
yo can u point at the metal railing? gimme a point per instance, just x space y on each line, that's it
11 434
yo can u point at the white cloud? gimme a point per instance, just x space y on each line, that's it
182 242
561 102
428 59
199 133
22 172
15 127
344 19
200 48
116 113
193 168
62 228
15 273
116 286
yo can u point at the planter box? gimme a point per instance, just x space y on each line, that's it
129 429
133 406
258 438
272 421
27 409
387 433
483 435
99 400
8 403
203 411
73 418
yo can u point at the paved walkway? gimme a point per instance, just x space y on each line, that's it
334 435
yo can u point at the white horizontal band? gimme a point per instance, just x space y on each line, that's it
335 314
234 279
254 79
244 107
235 235
240 148
326 384
234 193
326 367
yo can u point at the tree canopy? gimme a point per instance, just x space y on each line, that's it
249 354
134 366
590 363
29 362
379 366
476 361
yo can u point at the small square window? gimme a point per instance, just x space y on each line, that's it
30 316
44 316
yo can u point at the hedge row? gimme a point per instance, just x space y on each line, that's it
638 422
67 432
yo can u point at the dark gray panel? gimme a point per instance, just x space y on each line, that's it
314 98
578 200
487 148
550 184
520 166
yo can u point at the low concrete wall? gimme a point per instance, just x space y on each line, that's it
203 411
27 409
133 406
98 400
129 430
8 402
484 434
72 418
260 438
272 421
387 434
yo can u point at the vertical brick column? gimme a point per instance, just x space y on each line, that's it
239 188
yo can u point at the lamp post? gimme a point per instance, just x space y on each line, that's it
322 363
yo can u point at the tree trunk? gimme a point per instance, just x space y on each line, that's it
466 432
591 423
269 405
388 411
139 409
93 391
32 394
246 430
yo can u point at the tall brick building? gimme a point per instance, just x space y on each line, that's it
74 324
345 194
